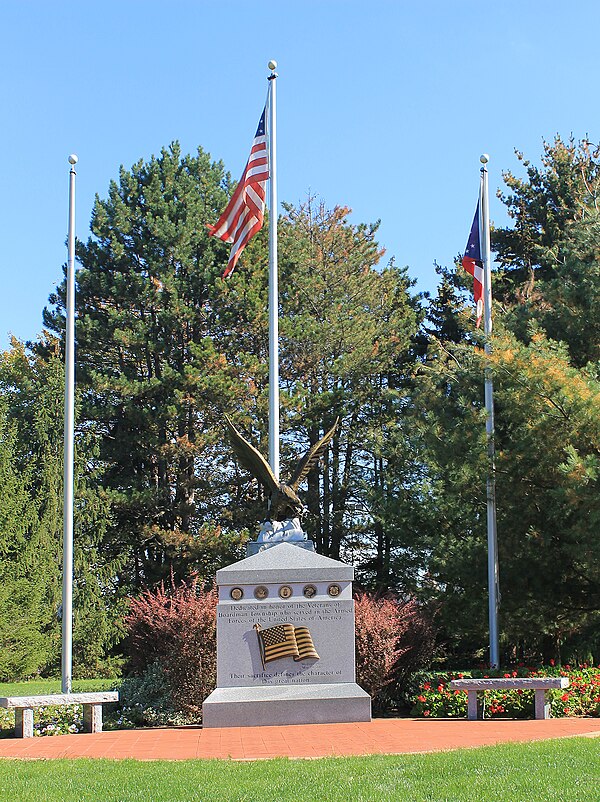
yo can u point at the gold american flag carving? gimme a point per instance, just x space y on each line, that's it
285 640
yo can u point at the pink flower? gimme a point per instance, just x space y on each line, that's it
426 712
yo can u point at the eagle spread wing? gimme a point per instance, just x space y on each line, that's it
306 462
251 459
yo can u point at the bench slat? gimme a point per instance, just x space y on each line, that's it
59 699
527 683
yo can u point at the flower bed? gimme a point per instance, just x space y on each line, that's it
581 698
50 720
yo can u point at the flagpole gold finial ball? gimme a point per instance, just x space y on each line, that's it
272 65
484 158
73 159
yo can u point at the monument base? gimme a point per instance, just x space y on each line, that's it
256 546
333 703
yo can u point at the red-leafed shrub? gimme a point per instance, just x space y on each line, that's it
172 633
392 639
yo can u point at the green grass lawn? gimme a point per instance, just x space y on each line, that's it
44 686
564 770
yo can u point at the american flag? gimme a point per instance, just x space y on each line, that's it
276 642
285 640
473 264
244 214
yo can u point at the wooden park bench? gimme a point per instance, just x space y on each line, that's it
25 705
476 687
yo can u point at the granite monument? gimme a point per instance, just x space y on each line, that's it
285 642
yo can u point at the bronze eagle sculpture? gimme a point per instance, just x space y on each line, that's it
285 503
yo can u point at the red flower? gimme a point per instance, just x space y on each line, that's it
564 697
552 662
440 688
421 699
426 712
427 687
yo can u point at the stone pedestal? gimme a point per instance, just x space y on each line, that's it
24 723
254 546
92 718
285 585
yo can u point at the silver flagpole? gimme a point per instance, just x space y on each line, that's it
69 447
273 282
492 540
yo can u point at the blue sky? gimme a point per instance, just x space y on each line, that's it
383 106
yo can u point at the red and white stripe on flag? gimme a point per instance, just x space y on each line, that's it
244 214
471 266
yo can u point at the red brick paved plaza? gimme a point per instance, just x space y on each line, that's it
388 736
